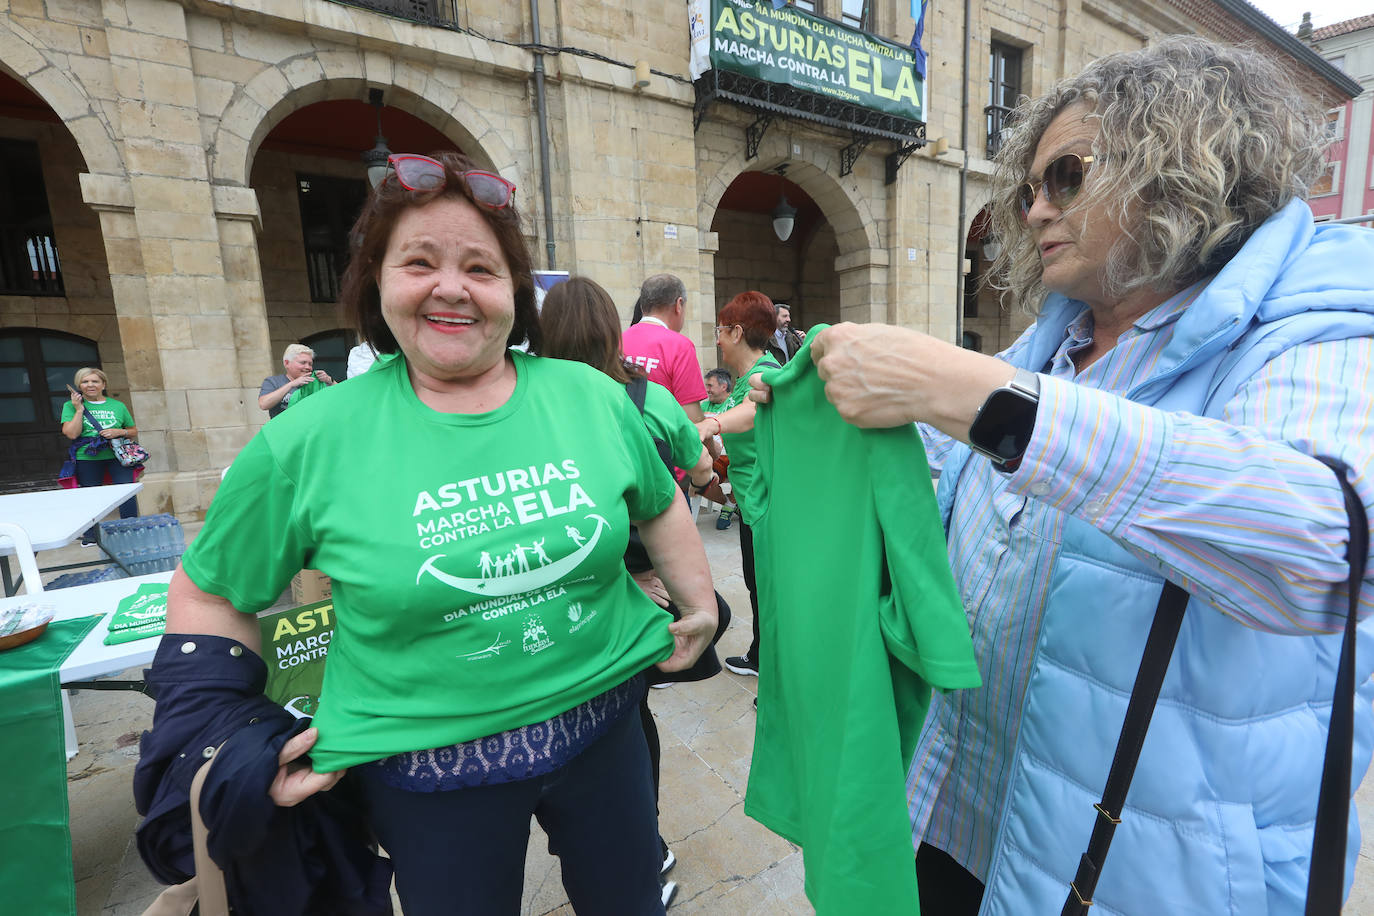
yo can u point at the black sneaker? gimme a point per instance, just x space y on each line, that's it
743 664
669 892
87 542
669 860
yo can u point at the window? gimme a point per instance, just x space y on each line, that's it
331 351
1004 88
857 14
1337 62
972 340
329 207
1335 123
28 250
36 366
808 5
1329 182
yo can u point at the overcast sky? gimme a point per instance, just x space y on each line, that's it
1288 13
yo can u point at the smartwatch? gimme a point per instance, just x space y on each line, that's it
1003 426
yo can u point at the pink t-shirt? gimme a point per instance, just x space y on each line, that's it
668 357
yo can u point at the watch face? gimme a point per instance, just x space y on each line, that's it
1003 427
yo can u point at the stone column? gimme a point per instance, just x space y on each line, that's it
179 337
863 285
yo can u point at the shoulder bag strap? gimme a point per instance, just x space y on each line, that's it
1159 647
1326 878
637 388
214 898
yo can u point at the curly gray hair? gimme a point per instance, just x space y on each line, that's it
1199 143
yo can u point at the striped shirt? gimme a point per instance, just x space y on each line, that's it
1232 508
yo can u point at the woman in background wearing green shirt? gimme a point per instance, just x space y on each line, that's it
95 460
746 326
489 644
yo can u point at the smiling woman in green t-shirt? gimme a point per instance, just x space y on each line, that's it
488 640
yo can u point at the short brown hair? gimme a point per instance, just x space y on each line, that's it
579 322
359 298
754 313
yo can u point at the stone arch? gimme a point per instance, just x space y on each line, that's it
24 59
851 215
275 92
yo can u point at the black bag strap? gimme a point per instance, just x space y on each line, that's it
1326 878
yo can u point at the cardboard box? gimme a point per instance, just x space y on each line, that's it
310 586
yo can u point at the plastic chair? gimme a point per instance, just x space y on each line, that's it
33 585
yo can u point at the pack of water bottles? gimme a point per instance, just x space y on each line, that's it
147 544
86 577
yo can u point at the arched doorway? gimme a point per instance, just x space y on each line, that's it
311 184
56 301
798 271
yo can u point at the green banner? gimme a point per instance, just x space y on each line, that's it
795 48
294 645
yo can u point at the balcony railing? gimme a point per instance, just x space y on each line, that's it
28 262
441 13
997 119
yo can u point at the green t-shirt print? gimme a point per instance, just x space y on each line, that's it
478 580
111 414
666 420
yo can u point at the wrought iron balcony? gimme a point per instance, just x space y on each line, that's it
28 262
997 119
441 13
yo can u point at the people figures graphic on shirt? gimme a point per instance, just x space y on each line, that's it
486 565
539 553
520 560
576 536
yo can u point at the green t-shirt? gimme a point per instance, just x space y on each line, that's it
855 641
476 559
740 446
708 407
110 413
666 420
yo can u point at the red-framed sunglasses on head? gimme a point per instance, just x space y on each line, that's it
421 173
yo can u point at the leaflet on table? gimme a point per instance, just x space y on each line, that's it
140 615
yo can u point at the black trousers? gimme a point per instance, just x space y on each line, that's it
463 851
746 553
946 887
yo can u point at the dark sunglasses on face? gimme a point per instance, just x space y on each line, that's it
1062 180
421 173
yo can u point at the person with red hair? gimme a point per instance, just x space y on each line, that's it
745 328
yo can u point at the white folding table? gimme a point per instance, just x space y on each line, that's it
55 518
92 658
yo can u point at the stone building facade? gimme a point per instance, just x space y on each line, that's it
178 143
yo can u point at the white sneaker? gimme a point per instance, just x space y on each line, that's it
669 892
668 862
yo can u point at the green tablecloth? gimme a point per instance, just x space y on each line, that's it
35 840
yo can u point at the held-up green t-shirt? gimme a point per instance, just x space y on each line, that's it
110 413
476 559
740 446
856 640
666 420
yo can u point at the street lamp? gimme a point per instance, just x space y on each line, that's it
784 214
375 159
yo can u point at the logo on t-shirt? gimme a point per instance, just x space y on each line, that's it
648 362
536 638
511 574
